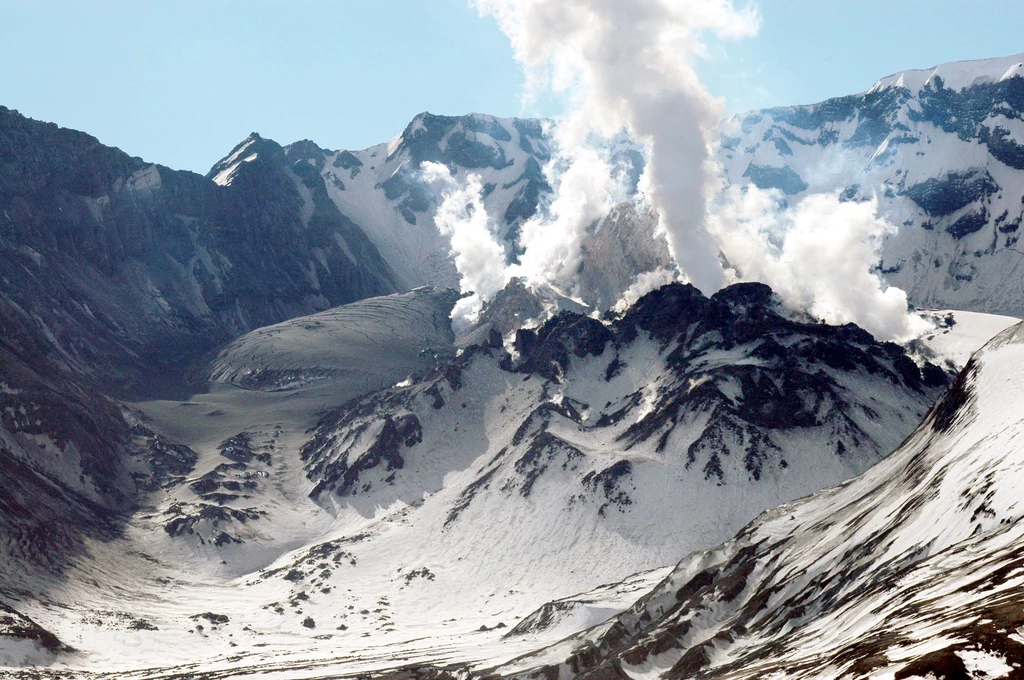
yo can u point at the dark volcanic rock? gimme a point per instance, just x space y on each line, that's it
954 191
738 374
385 450
785 178
20 627
547 350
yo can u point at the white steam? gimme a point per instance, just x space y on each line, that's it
818 256
628 64
479 257
644 283
585 189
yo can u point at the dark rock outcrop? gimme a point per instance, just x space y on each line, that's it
738 373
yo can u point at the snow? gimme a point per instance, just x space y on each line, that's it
395 143
387 572
981 271
229 166
911 558
955 75
224 177
957 342
418 253
385 576
985 665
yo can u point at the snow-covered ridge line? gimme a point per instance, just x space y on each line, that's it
955 75
943 166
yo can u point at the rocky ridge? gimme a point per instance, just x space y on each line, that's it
942 151
782 594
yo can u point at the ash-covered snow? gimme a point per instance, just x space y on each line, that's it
403 333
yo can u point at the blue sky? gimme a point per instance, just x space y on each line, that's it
180 82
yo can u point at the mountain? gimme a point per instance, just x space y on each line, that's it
691 410
383 187
911 570
401 333
436 506
383 190
216 490
137 267
942 150
116 274
239 436
120 276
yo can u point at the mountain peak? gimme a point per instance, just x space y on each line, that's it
248 150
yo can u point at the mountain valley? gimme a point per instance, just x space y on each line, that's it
241 436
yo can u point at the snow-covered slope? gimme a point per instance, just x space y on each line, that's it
382 188
941 148
115 275
912 570
957 75
956 335
425 521
218 494
374 343
943 151
682 405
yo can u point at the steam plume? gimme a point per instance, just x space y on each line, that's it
629 64
479 258
584 191
818 256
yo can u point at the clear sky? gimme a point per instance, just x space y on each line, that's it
180 82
